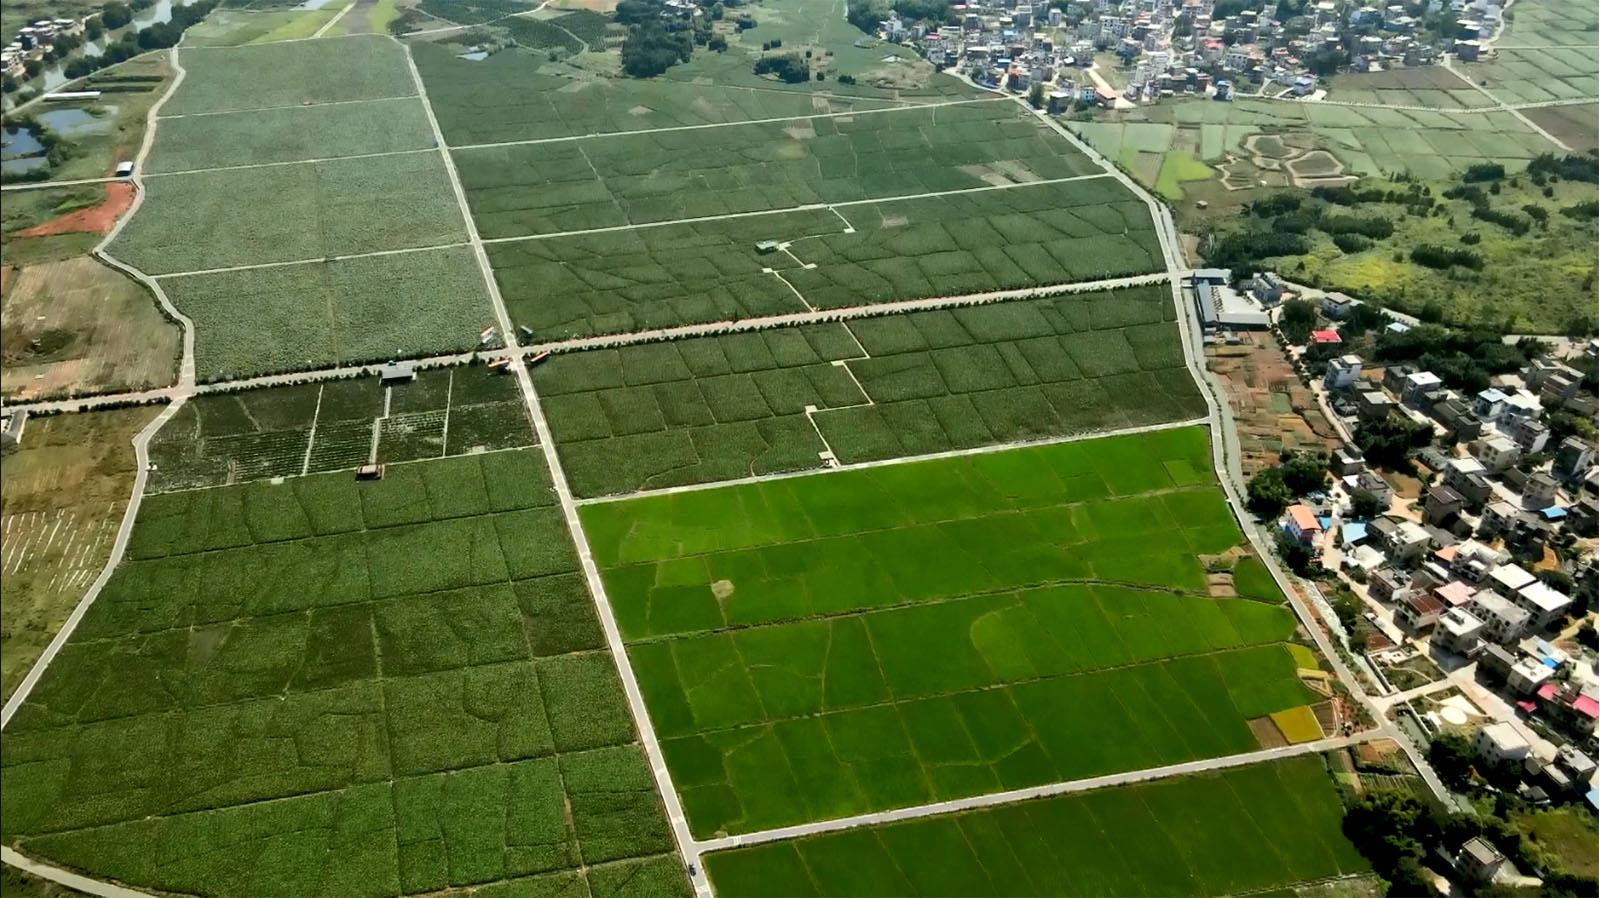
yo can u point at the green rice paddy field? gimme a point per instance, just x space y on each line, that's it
222 439
870 252
664 176
822 646
1233 832
720 408
324 687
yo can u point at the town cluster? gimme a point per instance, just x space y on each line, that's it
34 42
1149 49
1460 571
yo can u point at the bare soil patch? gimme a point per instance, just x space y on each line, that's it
93 220
77 326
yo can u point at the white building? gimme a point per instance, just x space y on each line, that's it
1342 372
1544 605
1458 631
1503 621
1501 742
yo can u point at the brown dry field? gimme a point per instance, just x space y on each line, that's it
62 494
1271 408
97 331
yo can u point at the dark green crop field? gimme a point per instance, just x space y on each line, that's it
291 73
669 175
700 272
1241 830
229 438
816 647
720 408
325 687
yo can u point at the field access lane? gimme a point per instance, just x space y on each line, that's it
998 798
756 121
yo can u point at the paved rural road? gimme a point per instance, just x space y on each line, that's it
1449 65
66 877
45 185
612 341
569 509
1510 107
709 125
998 798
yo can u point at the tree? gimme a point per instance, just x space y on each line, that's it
1036 95
1297 319
115 15
1365 505
1268 494
1296 554
1386 443
1452 756
1304 472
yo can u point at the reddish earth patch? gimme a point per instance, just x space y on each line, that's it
93 220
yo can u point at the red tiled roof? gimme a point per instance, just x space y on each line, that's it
1325 336
1586 706
1303 518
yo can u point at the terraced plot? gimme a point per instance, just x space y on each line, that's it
292 73
1234 832
670 275
822 646
665 176
719 408
221 439
327 687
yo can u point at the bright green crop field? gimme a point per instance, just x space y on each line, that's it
822 646
291 73
1241 830
325 687
665 176
720 408
875 252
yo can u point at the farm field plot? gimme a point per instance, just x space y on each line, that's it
1430 86
782 630
718 408
1539 75
351 311
231 438
289 135
292 73
866 253
62 495
663 176
326 687
1233 832
236 27
79 326
508 97
1550 24
290 213
1574 125
1433 145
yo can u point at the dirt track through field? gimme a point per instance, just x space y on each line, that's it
96 219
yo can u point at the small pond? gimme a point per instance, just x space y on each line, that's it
73 121
19 141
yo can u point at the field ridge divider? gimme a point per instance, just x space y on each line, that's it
285 106
992 799
758 121
807 207
902 460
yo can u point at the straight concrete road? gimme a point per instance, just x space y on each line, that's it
46 185
569 509
707 125
67 878
576 344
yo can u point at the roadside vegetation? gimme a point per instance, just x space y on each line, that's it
1511 252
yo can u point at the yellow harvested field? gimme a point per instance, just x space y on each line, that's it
1298 724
